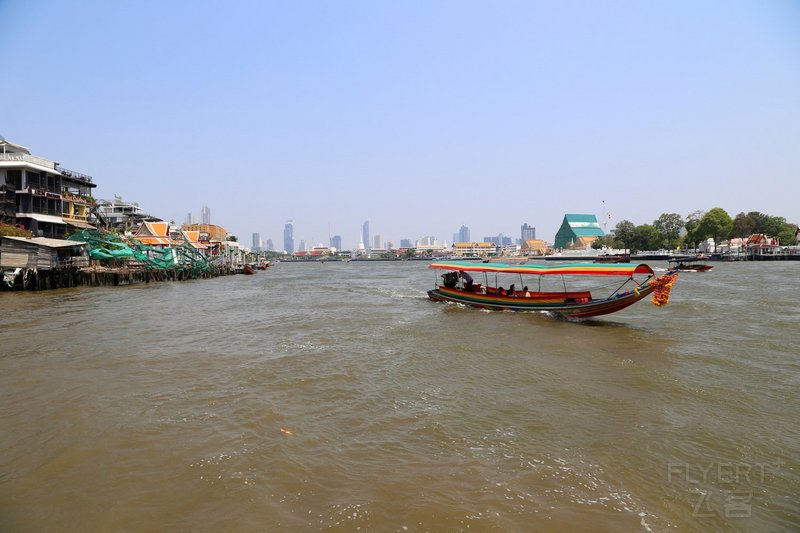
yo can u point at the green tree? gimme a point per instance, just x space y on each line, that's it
743 225
692 224
410 252
606 240
788 235
624 232
773 226
645 237
716 224
669 225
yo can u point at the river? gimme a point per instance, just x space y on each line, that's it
337 397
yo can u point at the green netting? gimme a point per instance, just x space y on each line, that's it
108 247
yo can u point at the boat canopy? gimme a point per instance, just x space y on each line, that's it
580 269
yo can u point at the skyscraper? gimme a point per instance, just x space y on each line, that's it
336 242
365 235
205 215
256 241
463 234
270 246
377 242
406 243
189 219
288 237
528 232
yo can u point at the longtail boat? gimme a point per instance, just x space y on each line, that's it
639 281
690 263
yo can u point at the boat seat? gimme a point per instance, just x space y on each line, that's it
579 297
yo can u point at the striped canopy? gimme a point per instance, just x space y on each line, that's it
581 269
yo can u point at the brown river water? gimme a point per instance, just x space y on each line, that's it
337 397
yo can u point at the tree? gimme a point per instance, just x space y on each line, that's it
624 232
716 224
691 225
772 226
743 225
607 241
645 237
788 235
669 225
231 238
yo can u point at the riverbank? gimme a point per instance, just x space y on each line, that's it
99 276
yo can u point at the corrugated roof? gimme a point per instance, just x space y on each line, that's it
50 243
41 217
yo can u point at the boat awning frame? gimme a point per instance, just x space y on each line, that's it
575 269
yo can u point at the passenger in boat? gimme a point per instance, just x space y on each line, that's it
527 293
466 279
500 291
512 291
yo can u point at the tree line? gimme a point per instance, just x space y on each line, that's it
671 231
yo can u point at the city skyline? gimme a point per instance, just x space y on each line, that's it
417 118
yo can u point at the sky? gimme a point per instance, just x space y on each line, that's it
418 116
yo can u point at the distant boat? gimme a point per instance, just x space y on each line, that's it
249 270
458 287
690 263
616 258
507 260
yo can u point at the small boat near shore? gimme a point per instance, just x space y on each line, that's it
459 287
616 258
249 270
691 263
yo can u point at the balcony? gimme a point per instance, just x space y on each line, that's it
42 162
77 176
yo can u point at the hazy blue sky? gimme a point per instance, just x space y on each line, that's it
418 116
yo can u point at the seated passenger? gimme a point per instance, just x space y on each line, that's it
466 280
512 291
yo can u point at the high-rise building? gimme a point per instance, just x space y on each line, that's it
205 215
463 234
365 235
406 243
270 246
377 243
256 241
190 218
500 240
302 247
336 242
528 233
288 237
